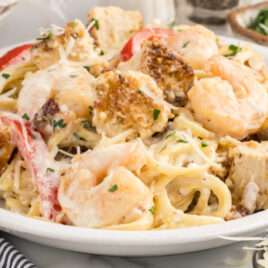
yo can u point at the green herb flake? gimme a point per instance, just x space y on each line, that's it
57 124
113 188
171 25
90 109
6 76
26 117
101 53
140 90
73 75
182 141
57 95
204 144
156 114
87 68
185 44
96 23
35 136
50 170
152 209
87 124
49 33
77 136
234 49
170 134
74 24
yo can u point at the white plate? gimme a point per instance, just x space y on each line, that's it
134 243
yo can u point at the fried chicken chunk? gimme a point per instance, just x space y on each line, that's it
248 180
113 26
129 100
6 146
171 73
75 40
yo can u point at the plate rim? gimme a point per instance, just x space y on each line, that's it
17 223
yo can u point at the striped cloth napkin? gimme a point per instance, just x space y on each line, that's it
11 257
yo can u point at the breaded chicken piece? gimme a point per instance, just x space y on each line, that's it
6 146
46 52
170 72
114 26
129 100
249 165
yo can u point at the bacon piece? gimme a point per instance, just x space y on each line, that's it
42 117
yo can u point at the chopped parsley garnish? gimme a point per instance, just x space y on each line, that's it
87 68
204 144
6 76
101 53
57 124
87 124
96 23
50 169
26 117
35 136
156 114
234 49
182 141
171 25
57 95
140 90
170 134
260 24
78 137
90 109
152 209
185 44
49 33
74 24
73 75
113 188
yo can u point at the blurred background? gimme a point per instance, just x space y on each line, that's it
21 19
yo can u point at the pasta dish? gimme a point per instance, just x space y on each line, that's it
121 126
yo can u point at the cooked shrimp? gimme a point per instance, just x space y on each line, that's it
68 84
233 104
195 45
100 189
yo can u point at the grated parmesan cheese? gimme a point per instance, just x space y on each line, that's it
262 245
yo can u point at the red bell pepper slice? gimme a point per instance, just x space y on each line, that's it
15 56
44 172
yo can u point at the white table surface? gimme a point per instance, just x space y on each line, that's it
22 24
